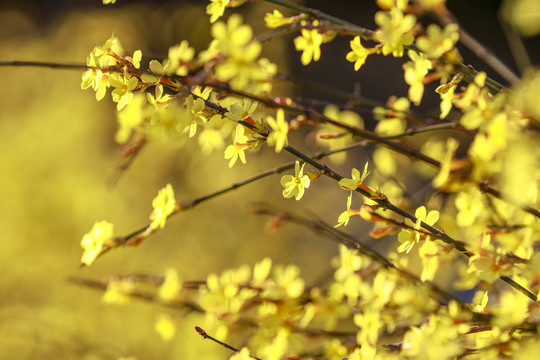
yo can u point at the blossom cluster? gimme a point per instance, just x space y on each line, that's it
481 187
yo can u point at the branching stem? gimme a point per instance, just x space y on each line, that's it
479 49
300 110
351 242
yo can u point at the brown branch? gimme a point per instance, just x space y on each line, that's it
353 243
205 335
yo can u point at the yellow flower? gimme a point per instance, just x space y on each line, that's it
95 78
392 118
475 94
446 102
436 41
480 301
243 354
470 204
395 31
276 347
231 36
135 59
130 118
385 162
267 70
156 73
122 94
359 53
333 349
211 138
409 237
160 100
489 261
216 8
522 15
429 253
369 323
225 295
295 185
334 137
389 4
241 68
344 216
280 127
356 181
118 291
276 19
179 57
415 71
261 270
446 164
444 88
349 263
171 285
234 41
310 45
165 327
512 311
95 241
286 283
164 205
437 339
196 108
447 94
101 57
241 112
111 46
236 150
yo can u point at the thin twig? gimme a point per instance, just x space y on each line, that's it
53 65
479 49
517 47
320 15
205 335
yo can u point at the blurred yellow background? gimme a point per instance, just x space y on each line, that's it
57 154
